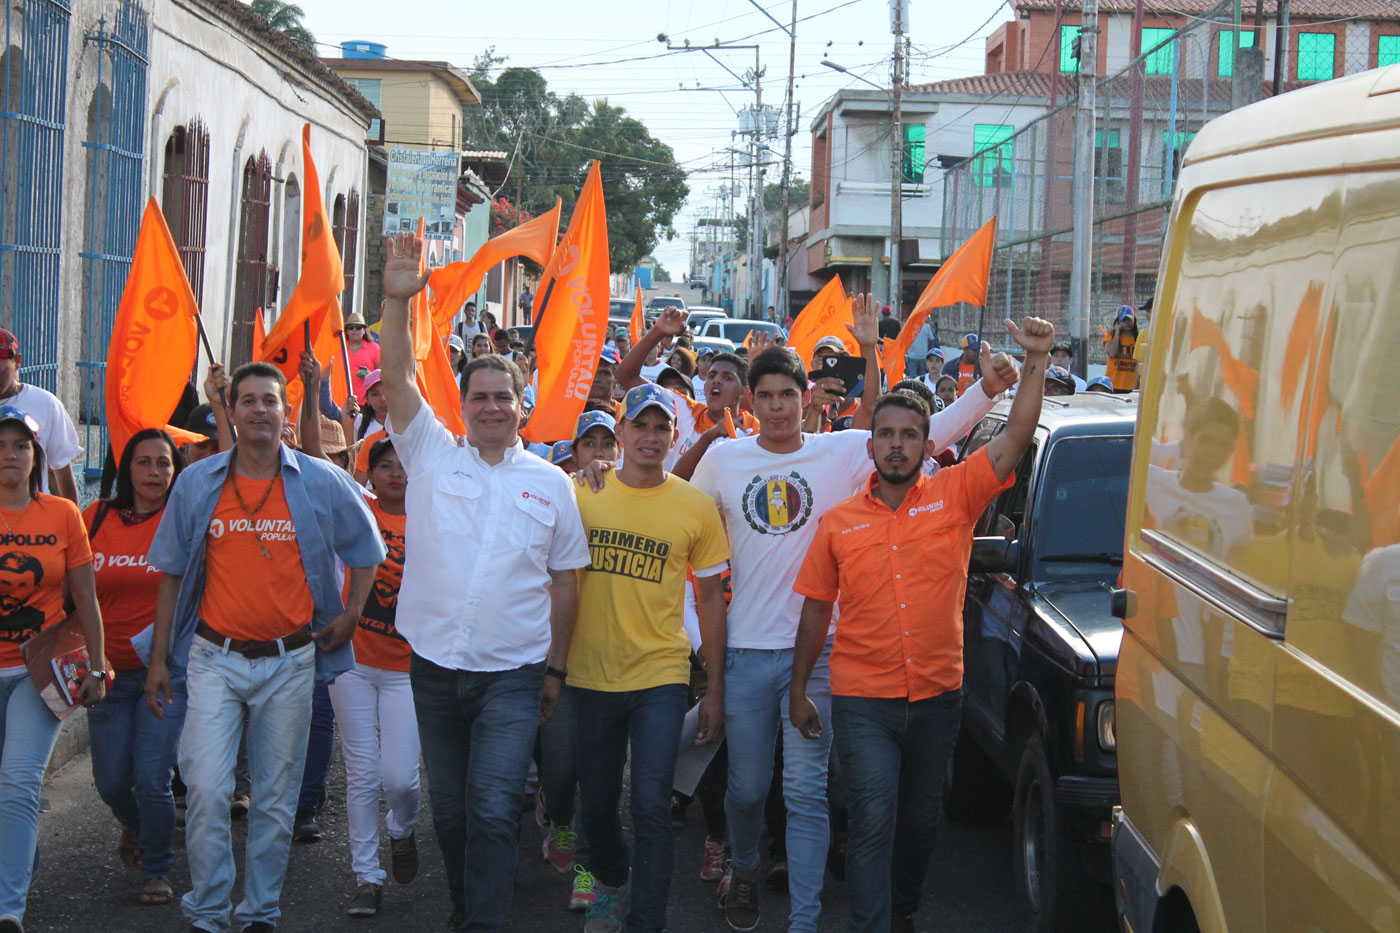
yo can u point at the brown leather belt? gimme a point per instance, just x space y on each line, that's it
255 649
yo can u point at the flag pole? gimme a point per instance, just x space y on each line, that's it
539 318
209 353
345 358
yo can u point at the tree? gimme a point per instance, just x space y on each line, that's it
553 140
286 18
798 193
658 272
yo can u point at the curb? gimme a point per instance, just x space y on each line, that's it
73 740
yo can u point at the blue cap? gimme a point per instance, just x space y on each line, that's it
969 341
1125 311
934 351
595 419
609 355
705 351
1060 375
1101 382
12 413
561 451
648 394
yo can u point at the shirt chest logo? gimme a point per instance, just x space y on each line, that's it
777 504
931 507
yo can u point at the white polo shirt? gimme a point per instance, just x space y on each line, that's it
480 542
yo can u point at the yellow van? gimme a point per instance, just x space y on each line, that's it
1258 685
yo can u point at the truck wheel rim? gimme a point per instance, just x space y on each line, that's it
1033 843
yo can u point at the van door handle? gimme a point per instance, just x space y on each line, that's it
1123 603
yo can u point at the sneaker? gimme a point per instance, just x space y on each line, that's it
777 877
585 892
541 812
365 903
238 807
607 913
403 854
558 848
725 881
741 903
304 828
712 868
10 924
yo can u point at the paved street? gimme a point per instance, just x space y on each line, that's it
81 884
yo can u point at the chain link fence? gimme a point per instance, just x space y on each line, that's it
1147 114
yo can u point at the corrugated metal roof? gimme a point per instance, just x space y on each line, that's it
1027 83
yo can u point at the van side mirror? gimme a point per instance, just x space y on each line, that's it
994 555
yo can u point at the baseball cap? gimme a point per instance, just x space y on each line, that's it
9 345
1061 375
11 413
1125 311
704 351
969 341
831 343
609 355
640 398
1062 347
1100 384
561 451
595 419
201 421
934 351
454 342
372 379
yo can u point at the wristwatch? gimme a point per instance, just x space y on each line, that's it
555 672
103 676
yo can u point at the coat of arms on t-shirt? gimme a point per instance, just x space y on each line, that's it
777 504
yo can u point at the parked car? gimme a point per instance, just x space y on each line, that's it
701 314
717 344
735 330
658 303
621 308
522 332
1039 650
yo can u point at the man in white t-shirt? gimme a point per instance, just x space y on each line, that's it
57 436
771 490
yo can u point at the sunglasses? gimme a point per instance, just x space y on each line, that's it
350 327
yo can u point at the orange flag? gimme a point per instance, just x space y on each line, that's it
434 369
1240 377
455 282
826 315
259 335
963 277
154 338
637 326
1298 353
316 298
571 317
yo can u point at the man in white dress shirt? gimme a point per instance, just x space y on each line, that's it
488 659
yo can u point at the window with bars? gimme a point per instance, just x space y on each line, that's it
347 237
1387 51
185 197
1317 56
251 284
993 168
1069 62
1225 54
913 168
1159 61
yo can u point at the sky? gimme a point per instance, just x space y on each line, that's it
688 100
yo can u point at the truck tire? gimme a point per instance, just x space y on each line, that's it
1051 888
974 789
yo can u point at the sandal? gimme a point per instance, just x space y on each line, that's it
157 891
128 849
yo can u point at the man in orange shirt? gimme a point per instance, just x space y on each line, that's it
896 555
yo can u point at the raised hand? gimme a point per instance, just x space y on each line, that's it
865 312
1035 335
310 369
999 371
762 340
404 253
671 322
216 385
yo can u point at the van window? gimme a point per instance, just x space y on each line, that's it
1246 314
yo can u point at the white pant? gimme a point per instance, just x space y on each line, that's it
379 737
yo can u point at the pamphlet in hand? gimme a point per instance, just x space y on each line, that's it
58 661
69 671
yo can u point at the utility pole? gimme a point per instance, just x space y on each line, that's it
784 301
1082 188
897 10
756 215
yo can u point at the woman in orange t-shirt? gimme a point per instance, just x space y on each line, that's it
374 706
43 547
133 752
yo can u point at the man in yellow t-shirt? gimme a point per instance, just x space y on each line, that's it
629 662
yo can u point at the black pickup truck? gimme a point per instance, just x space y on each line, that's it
1039 649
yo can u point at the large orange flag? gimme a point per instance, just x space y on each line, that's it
1240 377
637 326
154 339
259 335
455 282
571 317
432 367
316 298
826 315
963 277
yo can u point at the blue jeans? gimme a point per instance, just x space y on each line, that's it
477 730
318 752
27 733
893 822
559 742
650 721
756 683
133 760
276 693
